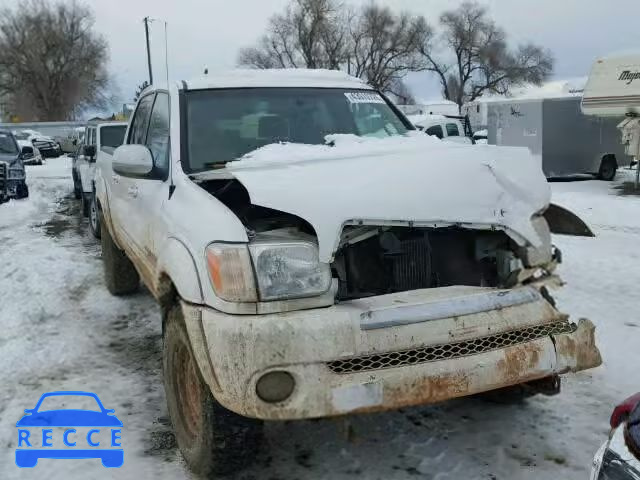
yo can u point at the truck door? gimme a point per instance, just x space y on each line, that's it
152 193
123 189
145 196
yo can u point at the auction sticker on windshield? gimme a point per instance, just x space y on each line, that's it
364 97
69 425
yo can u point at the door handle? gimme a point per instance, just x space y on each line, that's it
133 191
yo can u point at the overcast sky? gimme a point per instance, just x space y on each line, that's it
210 32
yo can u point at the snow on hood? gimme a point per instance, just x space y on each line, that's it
414 178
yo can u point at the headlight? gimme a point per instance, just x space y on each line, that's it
289 270
268 270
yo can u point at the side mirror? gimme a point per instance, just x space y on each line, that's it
132 161
27 151
89 151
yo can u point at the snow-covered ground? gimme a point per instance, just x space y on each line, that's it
61 330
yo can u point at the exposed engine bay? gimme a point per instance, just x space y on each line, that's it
377 260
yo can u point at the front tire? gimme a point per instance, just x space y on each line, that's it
212 439
94 216
120 275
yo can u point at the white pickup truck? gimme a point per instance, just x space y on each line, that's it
315 256
99 142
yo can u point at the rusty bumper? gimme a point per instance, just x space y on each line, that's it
234 353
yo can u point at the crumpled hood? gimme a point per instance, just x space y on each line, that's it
414 178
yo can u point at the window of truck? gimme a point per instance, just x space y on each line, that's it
224 125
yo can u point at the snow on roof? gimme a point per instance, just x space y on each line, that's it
287 77
571 87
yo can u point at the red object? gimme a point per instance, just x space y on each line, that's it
622 411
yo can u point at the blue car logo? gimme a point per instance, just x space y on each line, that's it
39 423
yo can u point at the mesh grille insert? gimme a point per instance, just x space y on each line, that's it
446 351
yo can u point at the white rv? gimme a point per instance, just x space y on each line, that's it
613 90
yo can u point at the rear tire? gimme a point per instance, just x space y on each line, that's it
608 168
94 216
86 203
212 439
120 275
77 187
22 191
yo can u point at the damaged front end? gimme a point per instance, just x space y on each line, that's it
429 293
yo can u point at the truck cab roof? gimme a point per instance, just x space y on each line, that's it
287 77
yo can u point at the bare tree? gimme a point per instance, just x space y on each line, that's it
386 46
52 66
401 93
372 42
311 34
476 58
139 89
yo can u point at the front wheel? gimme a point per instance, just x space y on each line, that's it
211 438
94 216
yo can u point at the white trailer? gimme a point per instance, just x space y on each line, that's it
613 90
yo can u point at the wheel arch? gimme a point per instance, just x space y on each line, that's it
177 274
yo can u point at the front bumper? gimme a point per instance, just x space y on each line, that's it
387 352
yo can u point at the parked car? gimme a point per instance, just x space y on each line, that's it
448 128
47 146
305 270
34 158
101 139
619 456
12 171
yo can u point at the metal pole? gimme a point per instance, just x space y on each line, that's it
146 32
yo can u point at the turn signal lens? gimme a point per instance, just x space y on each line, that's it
231 273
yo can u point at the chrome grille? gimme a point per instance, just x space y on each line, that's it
448 351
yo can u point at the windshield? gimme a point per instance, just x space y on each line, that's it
7 144
21 136
112 136
223 125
